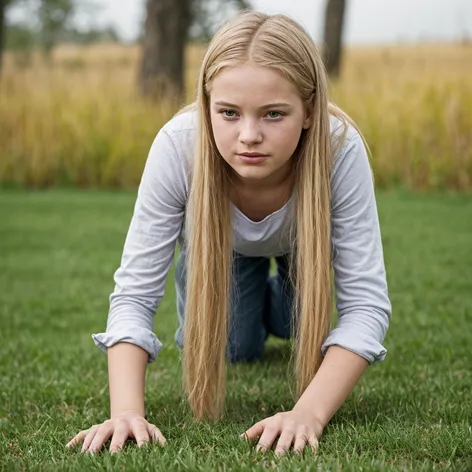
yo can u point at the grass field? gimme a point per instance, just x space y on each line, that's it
58 252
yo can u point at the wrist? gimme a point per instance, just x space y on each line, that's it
315 419
128 411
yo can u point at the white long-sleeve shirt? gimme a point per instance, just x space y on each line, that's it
158 222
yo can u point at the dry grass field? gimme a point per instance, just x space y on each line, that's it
82 122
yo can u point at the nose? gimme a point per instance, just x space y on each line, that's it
250 132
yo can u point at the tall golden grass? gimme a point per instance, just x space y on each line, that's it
83 123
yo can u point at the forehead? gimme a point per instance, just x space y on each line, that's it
252 84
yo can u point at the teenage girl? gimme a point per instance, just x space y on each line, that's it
262 166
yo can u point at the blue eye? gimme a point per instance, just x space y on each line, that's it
228 113
274 114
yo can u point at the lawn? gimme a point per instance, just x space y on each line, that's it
58 252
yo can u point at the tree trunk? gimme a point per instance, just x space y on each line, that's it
333 36
3 4
165 35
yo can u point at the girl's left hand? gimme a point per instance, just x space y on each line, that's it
293 426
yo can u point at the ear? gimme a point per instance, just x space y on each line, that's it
308 117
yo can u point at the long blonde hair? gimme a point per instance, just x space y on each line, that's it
278 42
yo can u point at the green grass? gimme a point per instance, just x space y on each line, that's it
58 252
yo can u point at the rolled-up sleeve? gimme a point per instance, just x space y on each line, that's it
362 302
148 251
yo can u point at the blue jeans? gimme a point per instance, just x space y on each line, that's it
261 305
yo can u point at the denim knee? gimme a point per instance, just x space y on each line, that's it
246 351
243 352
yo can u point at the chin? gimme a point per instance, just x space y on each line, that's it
252 174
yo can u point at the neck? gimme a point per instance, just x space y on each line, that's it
281 178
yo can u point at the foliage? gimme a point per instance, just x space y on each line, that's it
50 22
207 15
54 17
20 38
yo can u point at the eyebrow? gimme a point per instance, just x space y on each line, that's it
270 105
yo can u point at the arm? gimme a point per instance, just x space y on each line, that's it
139 286
362 303
337 376
148 252
126 373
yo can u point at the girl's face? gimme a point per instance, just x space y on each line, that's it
255 110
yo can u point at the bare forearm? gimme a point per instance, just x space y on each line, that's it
337 376
126 372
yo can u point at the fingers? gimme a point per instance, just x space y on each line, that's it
287 430
156 435
267 439
119 437
255 431
284 442
143 433
313 442
78 438
89 438
95 437
103 433
301 441
140 431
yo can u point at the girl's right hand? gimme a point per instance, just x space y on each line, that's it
120 428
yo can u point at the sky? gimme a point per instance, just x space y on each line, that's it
366 22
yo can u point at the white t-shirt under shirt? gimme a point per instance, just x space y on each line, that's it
158 222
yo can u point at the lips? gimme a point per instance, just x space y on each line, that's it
252 157
252 154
